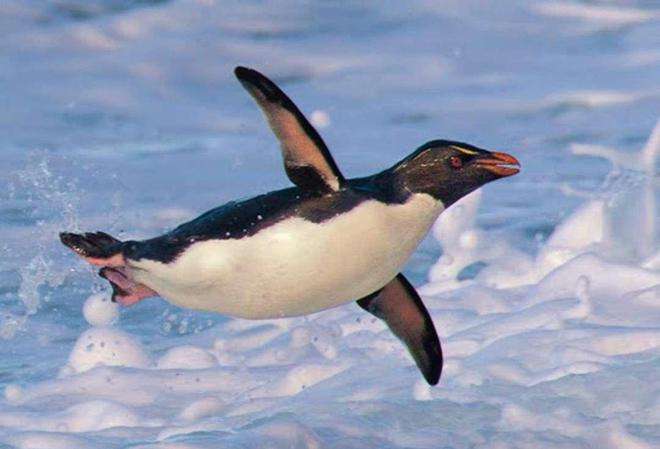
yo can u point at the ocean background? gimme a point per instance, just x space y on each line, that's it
124 116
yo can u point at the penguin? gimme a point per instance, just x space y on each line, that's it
322 243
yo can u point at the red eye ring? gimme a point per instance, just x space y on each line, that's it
456 162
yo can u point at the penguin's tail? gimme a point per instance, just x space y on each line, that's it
97 248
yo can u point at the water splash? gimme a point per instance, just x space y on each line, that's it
629 215
53 202
53 196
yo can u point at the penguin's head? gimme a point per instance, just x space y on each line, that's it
449 170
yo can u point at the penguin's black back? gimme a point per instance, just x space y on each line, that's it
239 219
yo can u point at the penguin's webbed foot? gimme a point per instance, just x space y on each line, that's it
125 290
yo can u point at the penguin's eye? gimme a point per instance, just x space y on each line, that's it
455 162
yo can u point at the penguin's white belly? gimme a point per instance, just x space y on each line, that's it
295 267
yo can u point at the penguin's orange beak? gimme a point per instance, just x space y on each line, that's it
500 164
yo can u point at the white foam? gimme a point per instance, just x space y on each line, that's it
108 347
593 98
99 310
320 119
186 357
603 15
48 440
299 378
422 391
13 393
96 415
605 278
202 408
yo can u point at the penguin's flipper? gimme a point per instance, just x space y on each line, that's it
307 160
399 305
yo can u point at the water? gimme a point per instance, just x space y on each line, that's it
124 116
